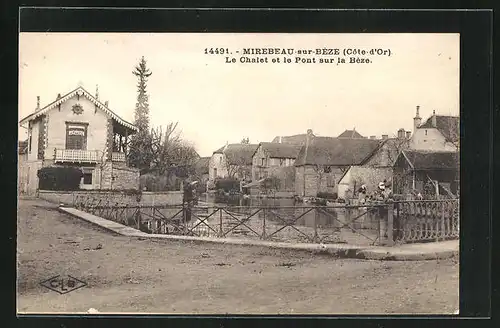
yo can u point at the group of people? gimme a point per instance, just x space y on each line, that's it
383 192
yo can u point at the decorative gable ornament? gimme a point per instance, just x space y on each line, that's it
77 109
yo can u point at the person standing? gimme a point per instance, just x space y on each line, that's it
187 199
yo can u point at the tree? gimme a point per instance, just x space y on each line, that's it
237 167
139 155
171 154
245 140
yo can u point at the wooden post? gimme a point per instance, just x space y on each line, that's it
315 226
442 232
264 224
221 232
390 223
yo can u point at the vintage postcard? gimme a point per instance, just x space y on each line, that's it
198 173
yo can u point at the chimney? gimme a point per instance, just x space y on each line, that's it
373 137
408 134
97 91
106 103
434 123
385 136
58 96
37 103
417 120
401 133
279 140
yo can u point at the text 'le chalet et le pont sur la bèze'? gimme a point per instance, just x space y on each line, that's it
299 56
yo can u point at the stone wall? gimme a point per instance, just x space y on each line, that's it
310 180
118 176
358 175
147 198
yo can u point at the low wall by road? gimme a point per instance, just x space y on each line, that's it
147 198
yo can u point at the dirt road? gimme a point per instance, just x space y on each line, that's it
131 275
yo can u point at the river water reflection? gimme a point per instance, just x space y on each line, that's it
287 209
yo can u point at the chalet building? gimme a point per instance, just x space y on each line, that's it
76 129
431 173
376 168
232 160
277 160
437 133
323 160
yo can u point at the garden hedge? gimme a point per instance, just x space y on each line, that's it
59 178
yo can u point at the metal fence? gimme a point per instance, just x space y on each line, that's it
367 224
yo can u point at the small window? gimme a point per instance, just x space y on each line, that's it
87 178
29 144
327 169
425 132
263 161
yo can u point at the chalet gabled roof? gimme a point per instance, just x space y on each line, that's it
280 150
336 151
82 92
429 160
447 125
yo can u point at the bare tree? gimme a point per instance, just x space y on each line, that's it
237 167
169 151
451 130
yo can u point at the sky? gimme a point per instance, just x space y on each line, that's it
215 102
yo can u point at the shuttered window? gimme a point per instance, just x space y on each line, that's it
76 136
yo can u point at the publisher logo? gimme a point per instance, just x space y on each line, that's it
63 284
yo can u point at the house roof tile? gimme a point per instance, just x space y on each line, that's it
294 139
336 151
238 153
428 160
281 150
350 134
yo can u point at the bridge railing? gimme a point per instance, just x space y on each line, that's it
367 224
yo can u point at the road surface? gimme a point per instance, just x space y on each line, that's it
128 275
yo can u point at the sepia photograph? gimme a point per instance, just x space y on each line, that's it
238 173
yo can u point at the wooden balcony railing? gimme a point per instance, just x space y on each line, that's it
85 156
118 157
77 156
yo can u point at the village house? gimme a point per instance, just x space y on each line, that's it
277 160
439 132
430 173
232 161
78 130
376 168
323 160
